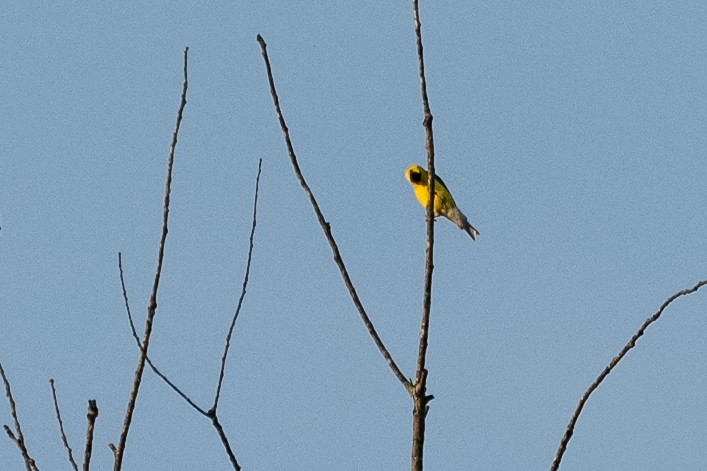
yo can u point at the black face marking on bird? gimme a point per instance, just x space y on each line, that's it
415 177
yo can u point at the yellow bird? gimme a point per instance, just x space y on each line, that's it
444 204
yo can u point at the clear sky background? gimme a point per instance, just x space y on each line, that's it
572 134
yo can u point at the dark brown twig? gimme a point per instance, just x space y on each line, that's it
91 415
615 361
243 291
18 439
152 307
327 228
420 397
61 428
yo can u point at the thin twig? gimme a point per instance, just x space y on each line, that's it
327 228
243 290
420 397
61 428
152 307
91 415
19 439
615 361
139 345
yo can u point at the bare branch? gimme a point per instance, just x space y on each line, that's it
139 345
420 397
224 440
152 307
61 428
615 361
429 145
91 415
243 290
327 228
19 438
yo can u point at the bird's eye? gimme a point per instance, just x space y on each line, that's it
415 177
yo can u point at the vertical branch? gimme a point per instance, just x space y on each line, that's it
61 428
152 307
327 228
243 290
615 361
420 397
429 145
91 415
212 412
19 440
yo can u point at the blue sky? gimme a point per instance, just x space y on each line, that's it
573 136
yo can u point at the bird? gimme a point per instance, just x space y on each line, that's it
444 204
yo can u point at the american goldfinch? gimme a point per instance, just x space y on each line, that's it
444 204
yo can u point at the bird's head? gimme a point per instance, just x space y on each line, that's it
416 175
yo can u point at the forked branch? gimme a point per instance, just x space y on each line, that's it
211 414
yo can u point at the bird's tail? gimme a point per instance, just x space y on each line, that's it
458 218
